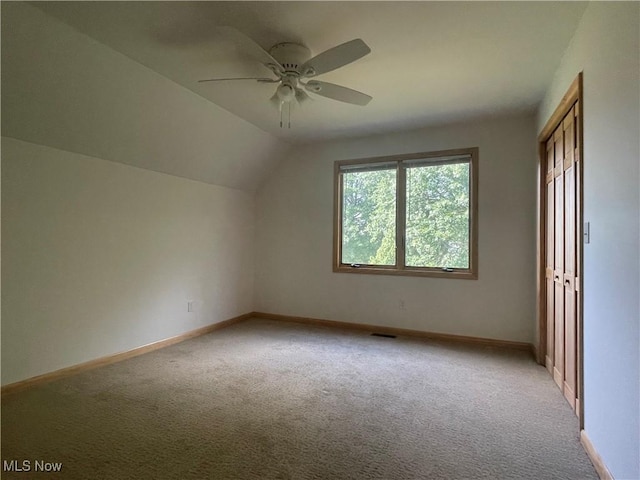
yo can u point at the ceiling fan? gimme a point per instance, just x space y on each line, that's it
293 65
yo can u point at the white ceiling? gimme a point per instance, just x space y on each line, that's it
431 62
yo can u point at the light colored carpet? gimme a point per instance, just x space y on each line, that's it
273 400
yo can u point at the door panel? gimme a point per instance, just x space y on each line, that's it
558 271
570 323
550 254
569 387
579 239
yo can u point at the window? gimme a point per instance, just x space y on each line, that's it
408 215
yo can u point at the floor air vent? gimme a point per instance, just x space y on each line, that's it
385 335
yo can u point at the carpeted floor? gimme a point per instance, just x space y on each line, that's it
273 400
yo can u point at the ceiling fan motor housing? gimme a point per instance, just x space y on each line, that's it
290 55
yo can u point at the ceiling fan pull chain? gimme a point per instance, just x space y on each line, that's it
289 114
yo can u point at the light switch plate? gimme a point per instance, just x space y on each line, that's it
587 232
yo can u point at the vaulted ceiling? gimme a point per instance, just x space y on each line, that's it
431 62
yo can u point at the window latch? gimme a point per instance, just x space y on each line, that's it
447 269
355 265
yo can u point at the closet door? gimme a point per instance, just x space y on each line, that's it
569 278
558 270
562 252
550 254
559 244
578 262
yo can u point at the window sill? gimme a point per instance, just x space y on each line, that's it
407 272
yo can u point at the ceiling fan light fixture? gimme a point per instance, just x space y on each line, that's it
286 93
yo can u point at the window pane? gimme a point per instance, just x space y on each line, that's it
369 217
437 217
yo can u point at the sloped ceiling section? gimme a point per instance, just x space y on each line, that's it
63 89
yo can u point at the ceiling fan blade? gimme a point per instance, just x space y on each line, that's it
337 92
335 57
259 79
249 46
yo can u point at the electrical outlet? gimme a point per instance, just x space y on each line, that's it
189 307
401 305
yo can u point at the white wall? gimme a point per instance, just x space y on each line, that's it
606 48
99 257
295 227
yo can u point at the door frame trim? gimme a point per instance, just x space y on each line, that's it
574 94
